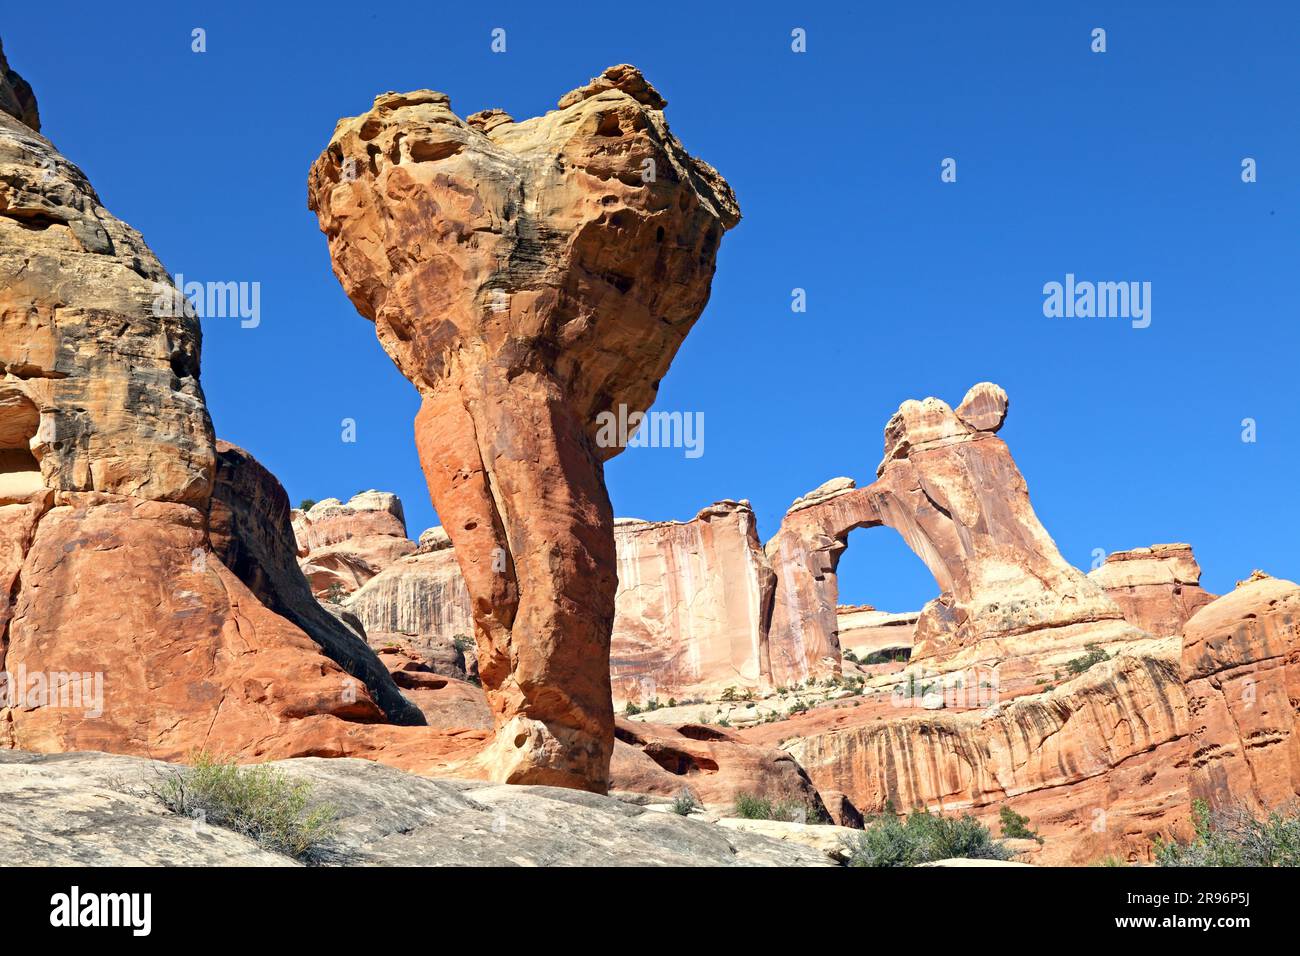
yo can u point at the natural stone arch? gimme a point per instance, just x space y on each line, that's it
950 487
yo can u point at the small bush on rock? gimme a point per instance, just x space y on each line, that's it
1016 827
1236 837
685 803
259 802
923 837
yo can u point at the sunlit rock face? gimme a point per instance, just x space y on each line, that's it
1241 662
950 487
342 545
690 614
1096 763
123 625
527 277
1157 588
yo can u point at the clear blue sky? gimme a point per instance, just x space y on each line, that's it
1117 166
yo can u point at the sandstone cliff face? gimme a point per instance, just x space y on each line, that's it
1241 662
123 629
690 610
527 277
421 596
1157 588
342 546
1096 764
16 97
690 614
949 486
865 630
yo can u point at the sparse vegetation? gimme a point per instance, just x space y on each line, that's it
922 837
895 656
848 655
789 810
462 642
1095 655
685 803
259 802
306 504
1016 827
1236 837
729 694
631 710
335 593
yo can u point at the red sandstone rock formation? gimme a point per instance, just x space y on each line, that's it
248 526
715 765
1241 662
690 611
342 546
1157 588
949 486
115 596
527 277
1096 764
421 597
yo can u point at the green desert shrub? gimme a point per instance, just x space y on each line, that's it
306 504
1236 837
922 837
788 809
259 802
1015 826
685 803
1078 665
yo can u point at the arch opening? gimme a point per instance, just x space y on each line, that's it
882 587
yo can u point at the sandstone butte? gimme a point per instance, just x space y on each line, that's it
527 277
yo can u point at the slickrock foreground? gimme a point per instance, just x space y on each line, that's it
527 277
385 818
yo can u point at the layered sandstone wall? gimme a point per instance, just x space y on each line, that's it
864 630
690 612
342 546
1157 588
1241 663
1095 763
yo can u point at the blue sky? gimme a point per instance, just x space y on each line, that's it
1123 165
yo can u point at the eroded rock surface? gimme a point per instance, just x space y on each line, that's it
1156 588
950 487
92 810
527 277
343 546
691 611
123 628
1241 662
1096 763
